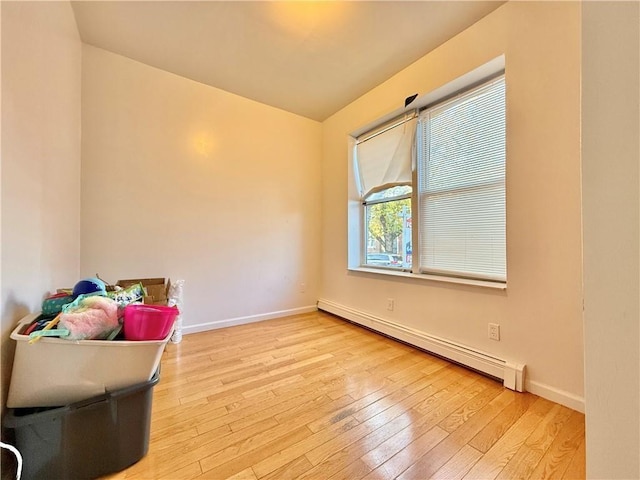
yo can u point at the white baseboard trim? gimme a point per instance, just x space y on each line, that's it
555 395
232 322
511 373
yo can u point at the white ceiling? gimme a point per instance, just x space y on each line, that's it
309 58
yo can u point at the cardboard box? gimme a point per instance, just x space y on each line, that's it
156 289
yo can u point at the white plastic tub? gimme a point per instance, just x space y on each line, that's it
54 372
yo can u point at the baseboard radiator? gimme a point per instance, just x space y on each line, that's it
511 374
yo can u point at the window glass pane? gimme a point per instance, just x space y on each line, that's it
388 234
466 140
465 235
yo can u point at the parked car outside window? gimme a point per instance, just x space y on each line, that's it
384 259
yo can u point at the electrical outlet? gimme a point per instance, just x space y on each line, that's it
390 303
303 287
494 331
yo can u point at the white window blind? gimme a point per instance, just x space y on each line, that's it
383 158
461 185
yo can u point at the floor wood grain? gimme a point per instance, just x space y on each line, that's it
315 397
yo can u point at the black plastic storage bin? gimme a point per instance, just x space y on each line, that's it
86 439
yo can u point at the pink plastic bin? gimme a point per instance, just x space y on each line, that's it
148 322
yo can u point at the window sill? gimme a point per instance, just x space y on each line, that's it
431 278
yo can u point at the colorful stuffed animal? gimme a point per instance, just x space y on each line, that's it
89 317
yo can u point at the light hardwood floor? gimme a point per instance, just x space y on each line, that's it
315 397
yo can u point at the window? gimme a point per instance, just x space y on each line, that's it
447 161
384 164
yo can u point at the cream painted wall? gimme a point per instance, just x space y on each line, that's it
41 61
187 181
611 211
540 313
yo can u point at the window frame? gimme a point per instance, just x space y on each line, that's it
448 92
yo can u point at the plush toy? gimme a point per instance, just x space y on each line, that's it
89 317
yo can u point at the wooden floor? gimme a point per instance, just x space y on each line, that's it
315 397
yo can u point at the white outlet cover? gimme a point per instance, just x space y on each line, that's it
494 331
